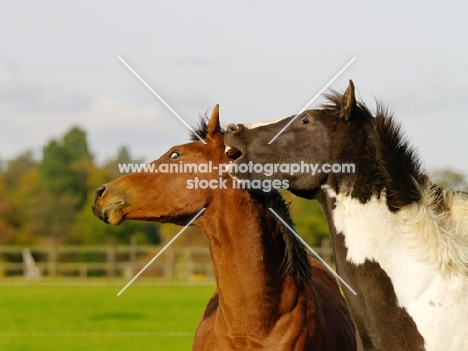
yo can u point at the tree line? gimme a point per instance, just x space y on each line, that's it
48 202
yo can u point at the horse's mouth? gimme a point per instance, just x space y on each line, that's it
232 152
110 214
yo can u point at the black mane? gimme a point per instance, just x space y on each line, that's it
390 163
201 129
296 260
401 163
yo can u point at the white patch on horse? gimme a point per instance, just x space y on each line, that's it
424 253
263 123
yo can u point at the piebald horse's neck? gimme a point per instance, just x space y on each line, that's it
366 259
370 232
247 253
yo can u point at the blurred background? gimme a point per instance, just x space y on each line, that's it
70 111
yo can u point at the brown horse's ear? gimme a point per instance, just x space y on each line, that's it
348 101
214 127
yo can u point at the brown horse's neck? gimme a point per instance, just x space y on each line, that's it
247 251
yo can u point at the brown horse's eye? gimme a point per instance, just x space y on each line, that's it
174 155
304 120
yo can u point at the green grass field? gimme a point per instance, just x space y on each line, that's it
90 316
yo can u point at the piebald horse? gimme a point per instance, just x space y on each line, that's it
400 241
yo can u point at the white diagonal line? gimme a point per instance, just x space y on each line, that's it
313 99
162 250
313 251
161 99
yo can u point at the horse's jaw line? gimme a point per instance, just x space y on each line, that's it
235 175
427 291
154 219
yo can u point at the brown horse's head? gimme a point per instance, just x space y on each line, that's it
162 195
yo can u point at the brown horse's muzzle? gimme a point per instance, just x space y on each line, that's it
108 209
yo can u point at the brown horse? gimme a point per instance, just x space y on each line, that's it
270 294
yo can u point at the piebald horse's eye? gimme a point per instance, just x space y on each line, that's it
174 155
304 120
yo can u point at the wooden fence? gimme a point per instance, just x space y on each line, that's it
181 263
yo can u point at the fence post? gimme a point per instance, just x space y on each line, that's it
83 271
190 263
52 261
110 258
133 250
30 268
169 263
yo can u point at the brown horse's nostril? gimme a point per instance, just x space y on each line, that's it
234 128
99 192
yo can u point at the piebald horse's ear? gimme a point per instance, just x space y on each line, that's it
348 101
214 128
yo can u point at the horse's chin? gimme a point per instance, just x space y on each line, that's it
115 220
111 214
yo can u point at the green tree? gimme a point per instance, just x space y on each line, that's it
65 165
19 175
52 223
24 199
17 168
309 221
75 145
55 170
7 231
49 201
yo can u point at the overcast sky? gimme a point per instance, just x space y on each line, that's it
258 59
